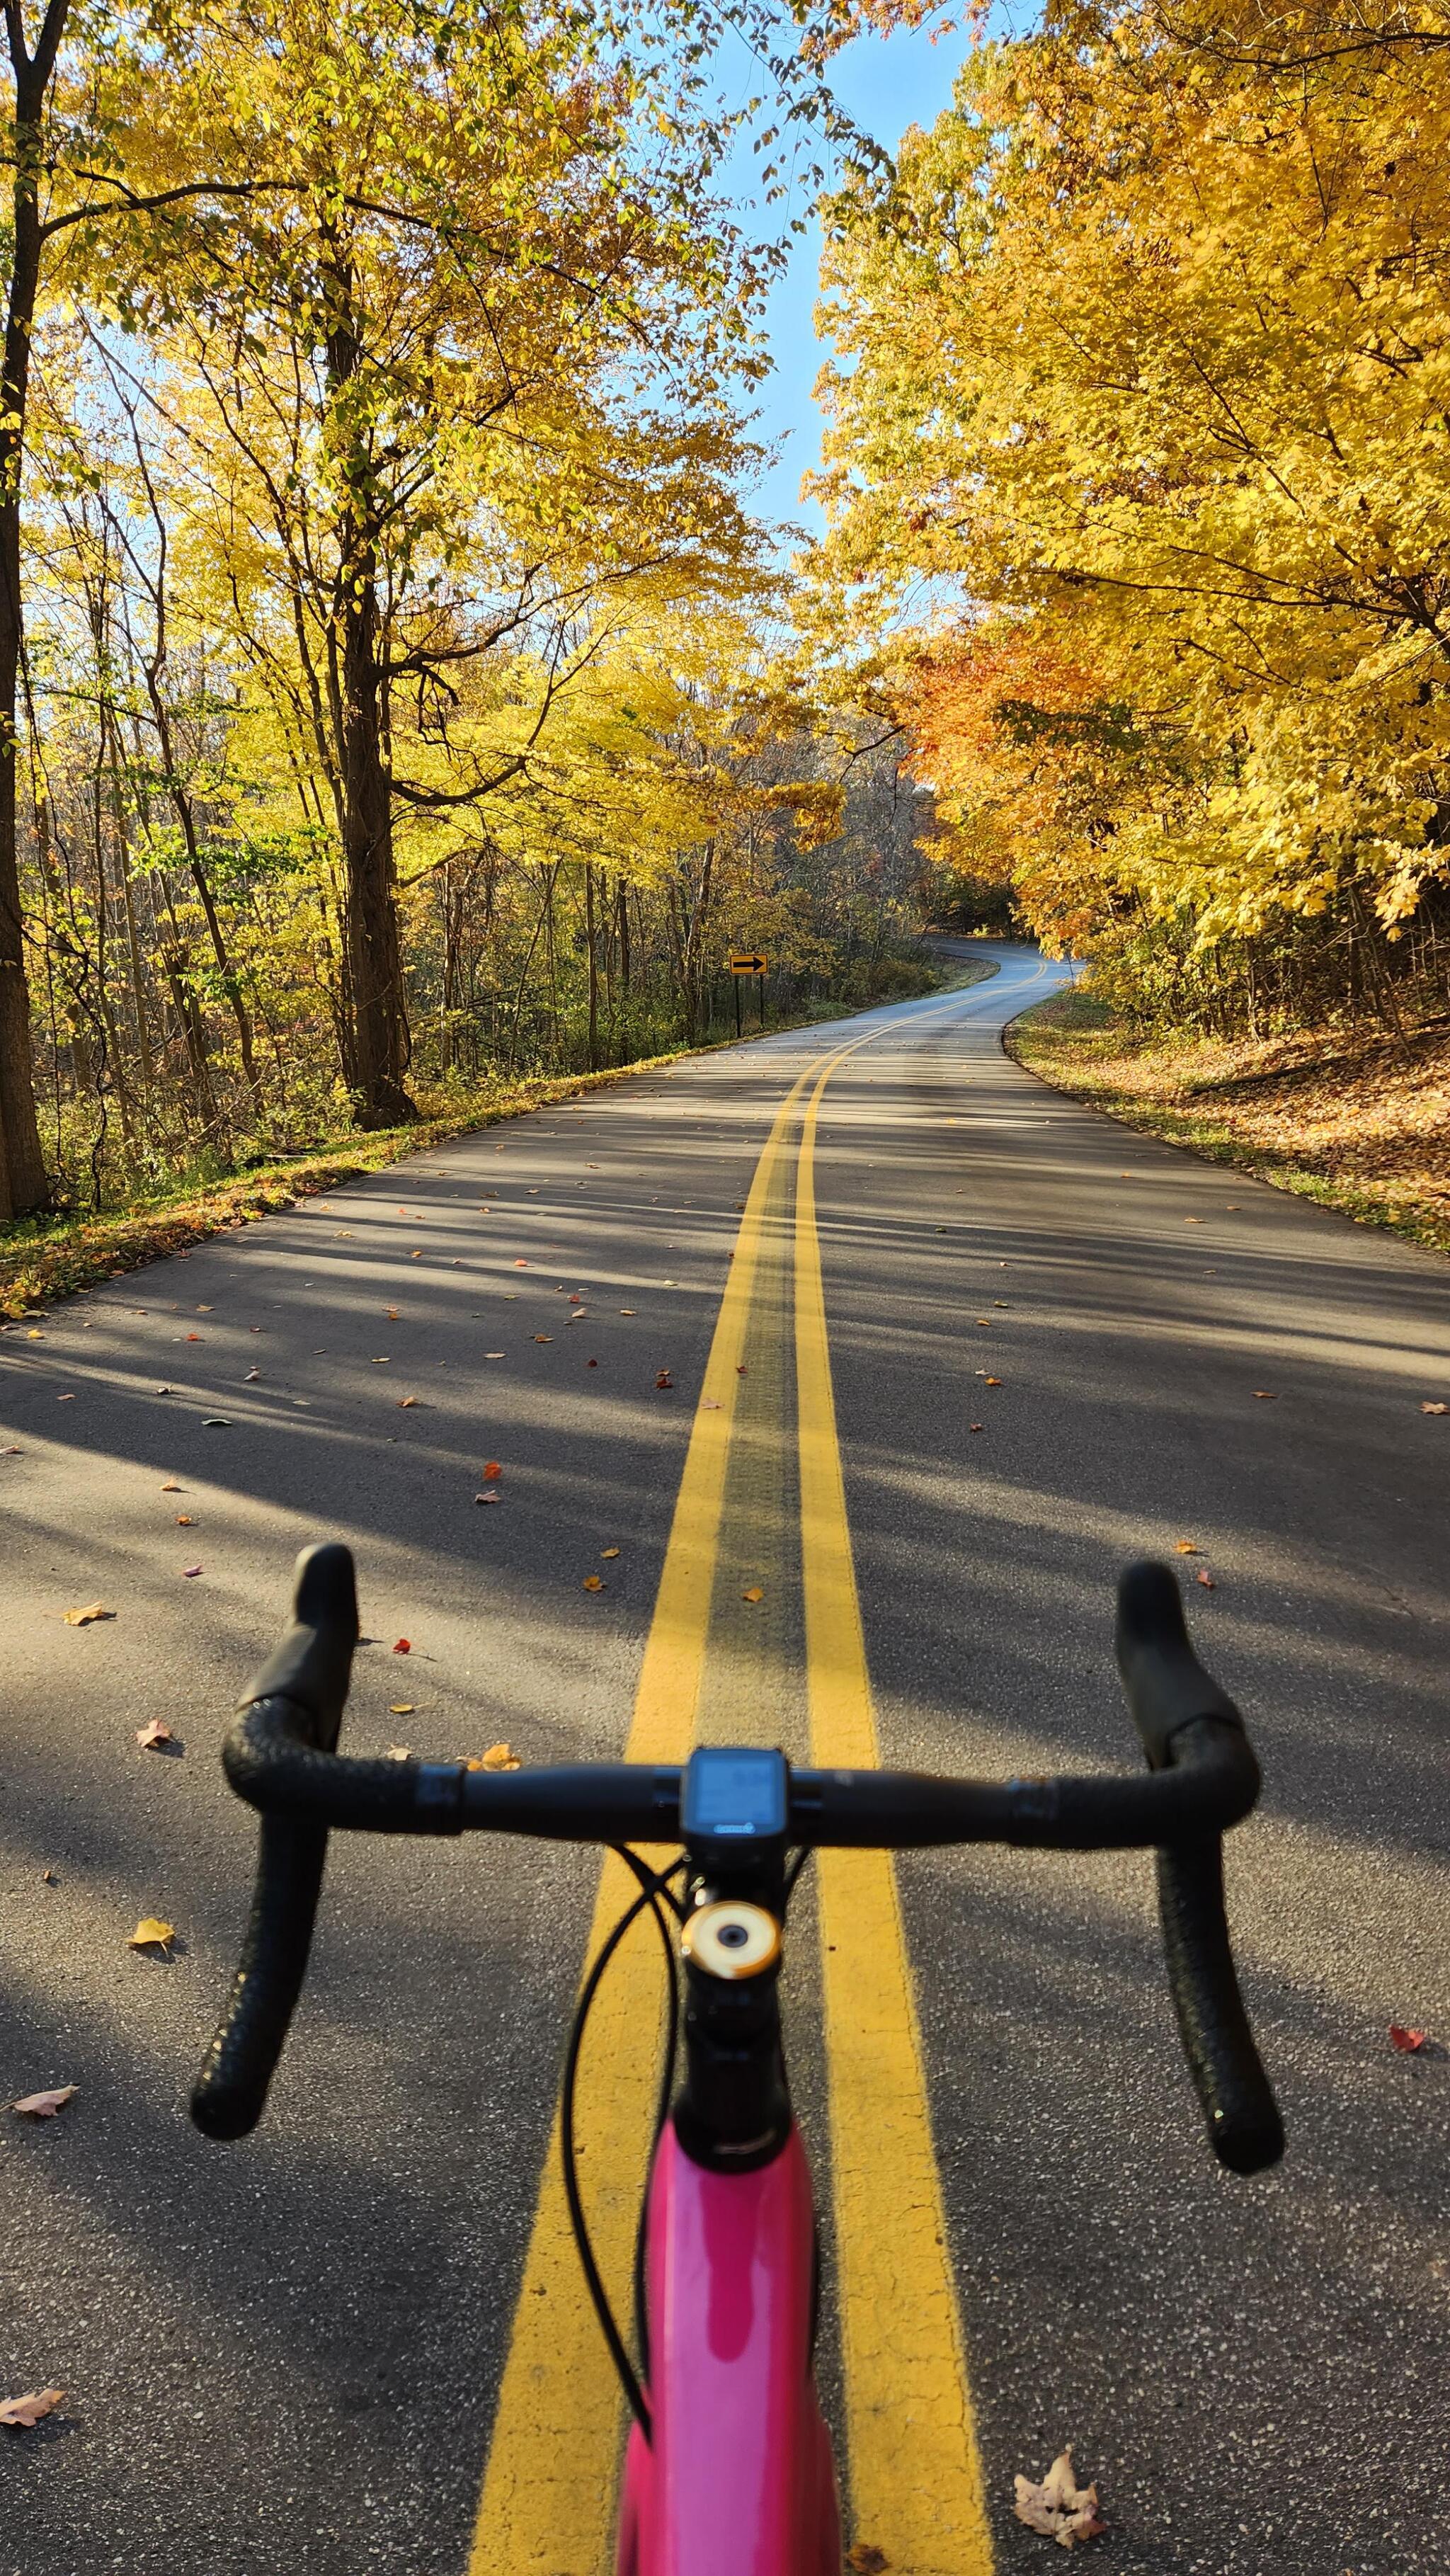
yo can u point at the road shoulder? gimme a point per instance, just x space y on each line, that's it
1356 1123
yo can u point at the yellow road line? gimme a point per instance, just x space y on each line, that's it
914 2469
547 2507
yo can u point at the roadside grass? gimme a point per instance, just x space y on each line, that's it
1349 1117
49 1257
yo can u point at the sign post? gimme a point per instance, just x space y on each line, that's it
748 962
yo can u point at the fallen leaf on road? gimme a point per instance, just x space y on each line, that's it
1408 2042
405 1401
191 1569
591 1364
609 1551
493 1355
1265 1395
415 1256
488 1498
865 2559
83 1618
1193 1220
491 1471
29 2410
65 1399
754 1593
664 1378
974 1426
499 1757
521 1265
205 1310
400 1708
193 1337
382 1362
399 1753
1208 1582
185 1521
542 1337
166 1390
152 1737
1059 2507
35 1334
151 1934
594 1583
628 1310
44 2106
48 1878
404 1646
1435 1408
252 1373
991 1381
1187 1547
216 1422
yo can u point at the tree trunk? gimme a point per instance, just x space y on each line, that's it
375 1037
591 939
24 1185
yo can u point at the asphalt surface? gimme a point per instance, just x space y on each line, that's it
283 2355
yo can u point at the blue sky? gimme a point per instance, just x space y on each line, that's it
887 84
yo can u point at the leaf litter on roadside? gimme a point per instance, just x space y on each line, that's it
152 1934
151 1738
85 1618
1059 2508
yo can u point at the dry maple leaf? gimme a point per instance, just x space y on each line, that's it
406 1403
44 2106
499 1757
488 1498
184 1521
1207 1581
152 1737
29 2410
83 1618
974 1426
151 1934
1059 2508
491 1471
1265 1395
1186 1547
400 1708
594 1583
609 1551
403 1646
399 1753
753 1593
663 1378
1435 1408
541 1337
866 2559
1408 2042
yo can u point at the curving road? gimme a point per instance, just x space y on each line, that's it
319 2350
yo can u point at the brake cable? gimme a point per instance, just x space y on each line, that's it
654 1890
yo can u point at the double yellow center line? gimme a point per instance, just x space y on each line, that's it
911 2465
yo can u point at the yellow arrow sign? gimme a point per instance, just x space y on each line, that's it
743 963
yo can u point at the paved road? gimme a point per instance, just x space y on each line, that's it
287 2355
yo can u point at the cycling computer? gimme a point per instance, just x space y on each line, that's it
733 1795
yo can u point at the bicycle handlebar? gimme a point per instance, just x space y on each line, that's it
280 1757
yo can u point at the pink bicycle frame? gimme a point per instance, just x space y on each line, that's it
739 2479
